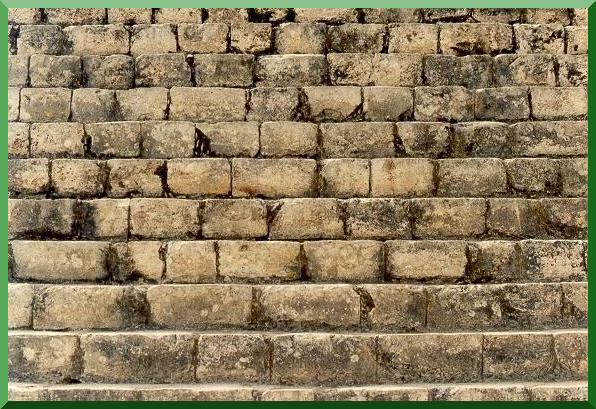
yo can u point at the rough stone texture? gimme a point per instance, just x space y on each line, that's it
297 204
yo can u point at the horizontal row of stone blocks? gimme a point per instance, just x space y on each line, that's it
292 177
425 261
300 219
302 307
523 391
300 38
319 104
171 139
130 16
246 70
297 359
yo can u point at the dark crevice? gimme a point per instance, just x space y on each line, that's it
13 35
162 172
190 60
367 304
202 144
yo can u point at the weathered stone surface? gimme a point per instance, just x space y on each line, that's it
357 140
137 358
229 138
143 104
104 218
387 103
430 358
164 218
42 358
528 69
167 139
134 177
40 217
339 261
401 177
203 38
332 103
28 176
345 178
308 306
448 103
571 350
491 307
18 140
234 219
471 71
330 15
129 16
191 262
55 71
250 37
78 178
141 260
317 359
223 70
559 260
536 175
430 139
97 40
574 176
424 261
303 219
398 308
573 70
502 104
539 38
232 358
42 39
300 38
199 177
519 357
413 38
153 39
109 72
448 218
273 178
58 307
292 70
377 219
577 40
114 139
207 104
356 38
287 138
196 306
258 261
471 177
162 70
477 38
559 103
20 305
44 105
178 15
59 260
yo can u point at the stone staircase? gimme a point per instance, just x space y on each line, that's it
297 204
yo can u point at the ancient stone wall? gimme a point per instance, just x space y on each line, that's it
297 204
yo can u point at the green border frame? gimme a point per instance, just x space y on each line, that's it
5 4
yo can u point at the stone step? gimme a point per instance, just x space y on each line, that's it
300 307
307 218
322 359
347 261
479 391
180 176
